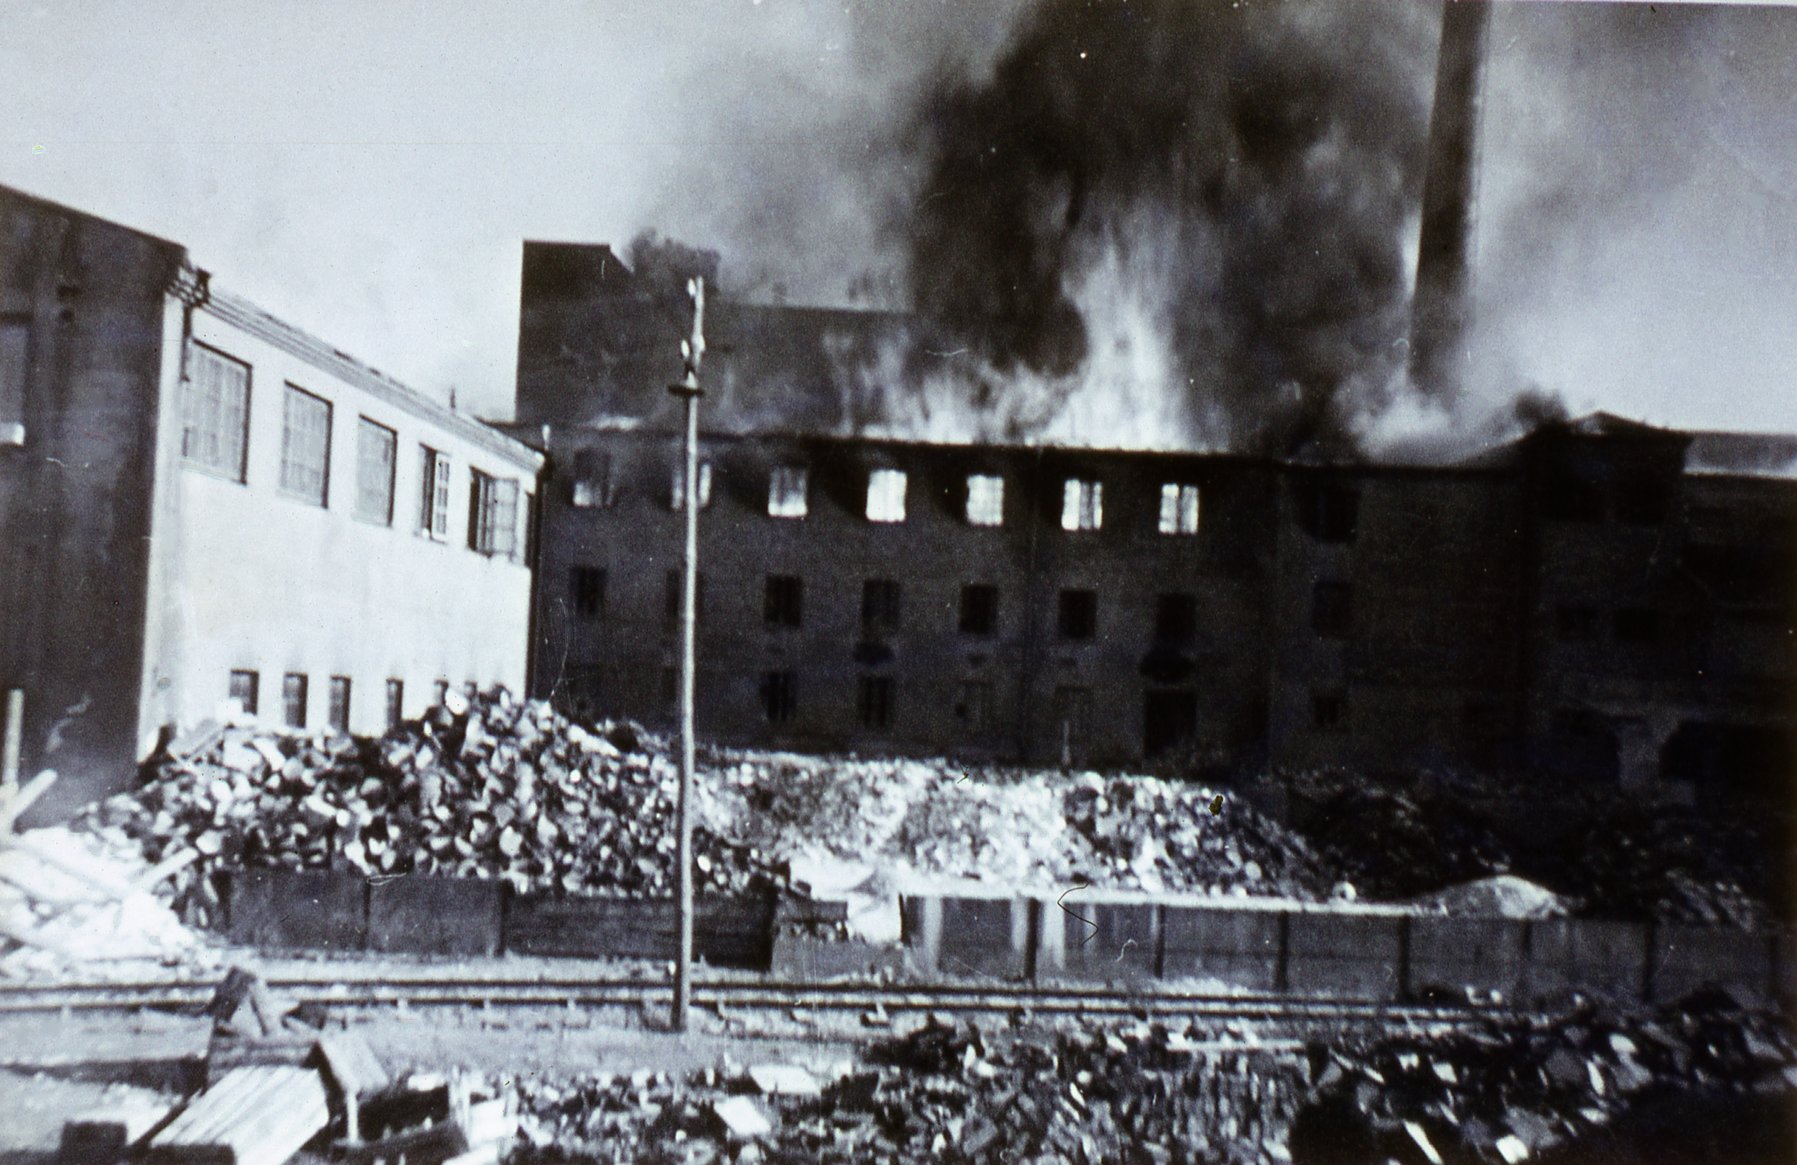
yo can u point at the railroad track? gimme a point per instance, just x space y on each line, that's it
747 996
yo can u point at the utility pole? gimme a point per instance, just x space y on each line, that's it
688 390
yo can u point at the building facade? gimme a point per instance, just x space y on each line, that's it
200 503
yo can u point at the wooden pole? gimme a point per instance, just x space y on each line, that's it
688 390
14 732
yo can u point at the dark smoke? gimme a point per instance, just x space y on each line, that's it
1264 158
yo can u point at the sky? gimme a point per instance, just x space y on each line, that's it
368 170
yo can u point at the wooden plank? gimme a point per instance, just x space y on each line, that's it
252 1116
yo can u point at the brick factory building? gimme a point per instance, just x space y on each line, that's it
199 502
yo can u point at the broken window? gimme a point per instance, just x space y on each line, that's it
339 712
1176 619
1326 511
1575 624
1078 615
376 452
873 701
973 707
1331 608
670 597
306 446
592 479
215 411
784 600
1637 625
786 496
1179 509
293 699
1328 710
396 702
779 695
243 689
677 495
433 505
886 495
879 606
1082 505
15 368
493 515
588 585
985 500
979 609
1568 495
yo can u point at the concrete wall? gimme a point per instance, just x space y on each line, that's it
74 495
251 577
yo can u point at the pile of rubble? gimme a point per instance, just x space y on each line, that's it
486 788
1123 1093
1565 1086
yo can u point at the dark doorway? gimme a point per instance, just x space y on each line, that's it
1732 762
1169 719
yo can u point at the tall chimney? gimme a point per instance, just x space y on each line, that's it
1441 308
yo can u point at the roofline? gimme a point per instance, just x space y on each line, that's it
241 313
65 208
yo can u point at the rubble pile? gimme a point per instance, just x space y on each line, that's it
1119 1093
485 788
1562 1087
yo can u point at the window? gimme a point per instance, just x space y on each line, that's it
1179 509
1331 609
670 686
306 447
873 701
670 595
340 703
1082 505
433 507
1327 512
592 479
1328 710
215 411
1078 616
677 495
1176 619
779 695
396 702
979 609
886 495
879 606
243 689
985 500
785 596
15 369
588 586
786 496
439 693
1576 624
293 699
973 707
493 515
1637 625
377 449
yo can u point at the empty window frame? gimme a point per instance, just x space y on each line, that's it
377 449
886 495
592 479
985 500
339 711
306 446
244 685
1176 619
670 598
879 606
979 609
973 706
873 701
215 412
677 493
1327 511
1082 504
396 702
786 492
1077 616
1331 608
779 696
15 370
493 515
1179 509
293 700
587 584
784 601
433 504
